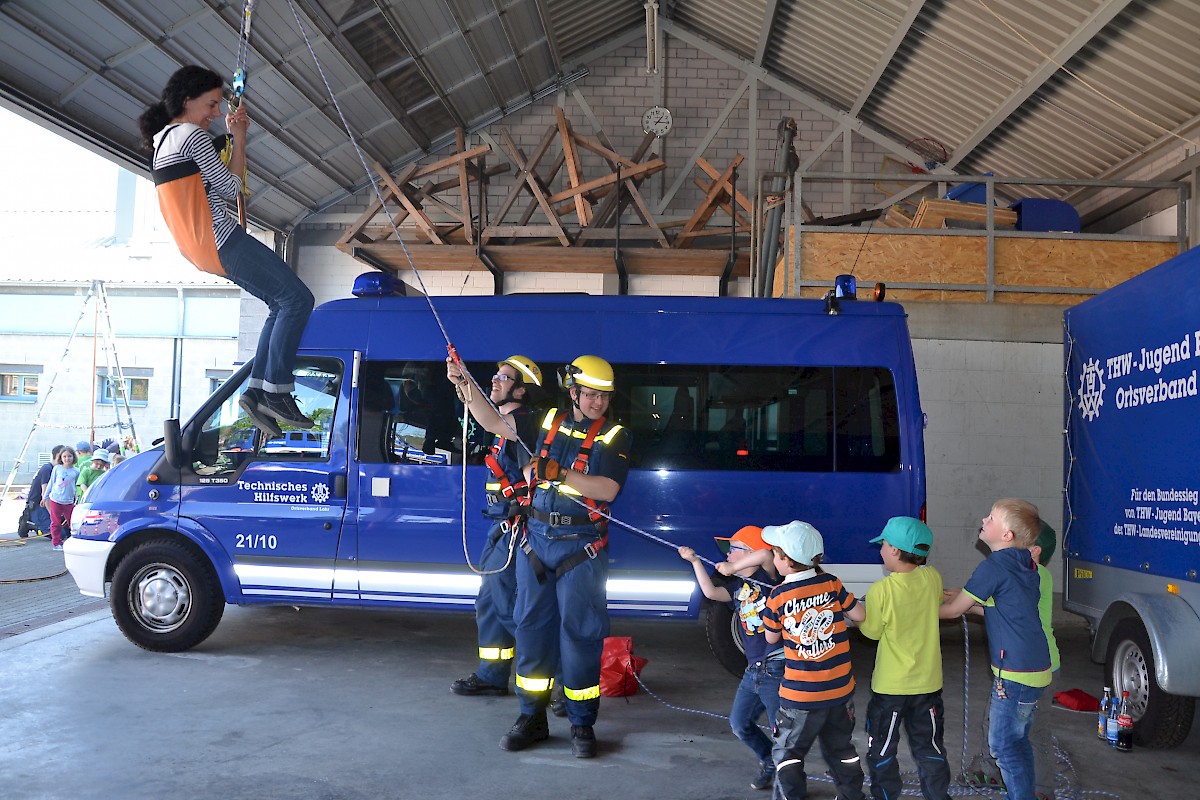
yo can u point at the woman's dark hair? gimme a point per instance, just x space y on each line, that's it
187 83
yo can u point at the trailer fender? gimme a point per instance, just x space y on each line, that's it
1174 632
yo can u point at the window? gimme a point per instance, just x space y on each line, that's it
802 419
109 391
228 438
216 378
19 387
799 419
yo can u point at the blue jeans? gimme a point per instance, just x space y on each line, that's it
1008 735
757 692
254 267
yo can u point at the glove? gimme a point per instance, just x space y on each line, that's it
547 469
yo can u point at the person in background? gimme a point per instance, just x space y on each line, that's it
906 686
514 388
749 560
35 517
58 494
117 459
193 187
1008 587
808 611
90 472
129 445
83 451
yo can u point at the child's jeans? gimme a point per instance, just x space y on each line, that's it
1008 735
758 692
60 515
831 727
923 718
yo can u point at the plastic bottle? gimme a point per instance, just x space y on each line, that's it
1111 726
1124 725
1102 717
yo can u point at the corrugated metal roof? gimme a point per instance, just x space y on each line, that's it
405 73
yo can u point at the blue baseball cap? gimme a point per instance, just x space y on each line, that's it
801 541
907 534
83 446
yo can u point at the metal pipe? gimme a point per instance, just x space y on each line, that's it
784 163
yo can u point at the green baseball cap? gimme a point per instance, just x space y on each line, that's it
907 534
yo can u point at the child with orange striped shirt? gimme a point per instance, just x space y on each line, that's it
816 699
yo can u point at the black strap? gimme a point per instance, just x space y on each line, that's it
590 550
557 520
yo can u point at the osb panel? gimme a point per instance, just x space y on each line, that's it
899 258
1075 263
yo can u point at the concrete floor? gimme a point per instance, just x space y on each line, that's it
324 703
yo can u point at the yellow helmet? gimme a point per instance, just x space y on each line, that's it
590 371
528 370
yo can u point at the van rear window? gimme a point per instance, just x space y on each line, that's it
683 417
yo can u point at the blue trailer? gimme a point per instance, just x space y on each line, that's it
1132 490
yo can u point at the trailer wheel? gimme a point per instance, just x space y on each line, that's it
1162 720
165 598
721 628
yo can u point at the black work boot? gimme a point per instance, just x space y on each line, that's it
284 409
249 402
583 741
472 686
528 728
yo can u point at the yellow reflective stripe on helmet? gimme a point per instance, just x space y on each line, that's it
590 693
496 653
608 437
539 684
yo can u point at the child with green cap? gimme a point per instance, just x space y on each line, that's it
906 686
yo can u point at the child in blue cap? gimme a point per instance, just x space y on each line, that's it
906 686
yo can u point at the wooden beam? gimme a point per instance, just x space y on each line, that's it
423 222
574 168
708 205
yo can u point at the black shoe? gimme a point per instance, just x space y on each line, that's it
583 741
283 408
766 777
249 402
471 686
558 707
525 731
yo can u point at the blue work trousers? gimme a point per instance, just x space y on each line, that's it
254 267
923 718
561 624
757 692
832 728
494 607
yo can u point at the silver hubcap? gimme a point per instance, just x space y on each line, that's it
160 597
1131 674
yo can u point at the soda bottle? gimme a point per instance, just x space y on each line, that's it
1111 725
1102 717
1124 725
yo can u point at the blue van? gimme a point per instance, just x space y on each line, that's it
743 411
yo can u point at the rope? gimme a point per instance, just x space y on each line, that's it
6 542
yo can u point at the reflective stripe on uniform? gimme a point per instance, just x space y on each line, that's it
497 653
590 693
536 684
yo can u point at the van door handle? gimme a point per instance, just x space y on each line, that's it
339 485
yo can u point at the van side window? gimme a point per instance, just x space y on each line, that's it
802 419
227 439
408 413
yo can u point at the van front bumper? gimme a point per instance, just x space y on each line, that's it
86 559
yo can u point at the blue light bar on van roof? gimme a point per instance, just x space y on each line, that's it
374 284
846 286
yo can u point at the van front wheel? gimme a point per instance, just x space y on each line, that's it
165 598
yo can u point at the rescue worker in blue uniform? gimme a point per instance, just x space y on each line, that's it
515 387
579 466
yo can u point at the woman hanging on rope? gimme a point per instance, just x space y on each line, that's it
193 186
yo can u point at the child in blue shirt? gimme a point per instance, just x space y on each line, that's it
58 495
1008 587
759 688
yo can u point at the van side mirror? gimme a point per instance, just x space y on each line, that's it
172 443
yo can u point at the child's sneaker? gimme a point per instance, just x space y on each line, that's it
766 776
56 547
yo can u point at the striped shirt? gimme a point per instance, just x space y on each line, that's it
177 144
808 609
